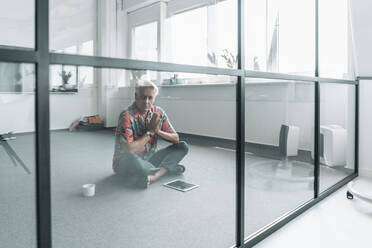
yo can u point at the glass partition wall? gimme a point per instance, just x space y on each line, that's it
202 113
279 170
262 145
337 133
17 155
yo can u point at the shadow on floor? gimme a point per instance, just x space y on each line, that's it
114 183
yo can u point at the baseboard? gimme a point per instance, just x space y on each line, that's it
64 130
262 150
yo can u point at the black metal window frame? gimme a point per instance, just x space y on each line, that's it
43 58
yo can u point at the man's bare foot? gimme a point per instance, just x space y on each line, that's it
147 180
158 174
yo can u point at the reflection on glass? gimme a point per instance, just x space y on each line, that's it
104 147
280 36
17 77
337 133
17 155
17 23
279 167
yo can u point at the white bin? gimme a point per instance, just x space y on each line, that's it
334 145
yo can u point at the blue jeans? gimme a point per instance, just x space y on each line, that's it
168 157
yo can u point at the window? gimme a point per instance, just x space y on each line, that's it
188 37
202 33
72 76
86 48
222 33
280 36
63 78
145 46
203 36
333 39
145 42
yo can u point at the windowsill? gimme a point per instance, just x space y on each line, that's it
196 84
54 90
276 83
63 92
18 93
33 93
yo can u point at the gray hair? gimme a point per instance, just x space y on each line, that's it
146 84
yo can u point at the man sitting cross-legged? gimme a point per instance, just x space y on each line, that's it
136 138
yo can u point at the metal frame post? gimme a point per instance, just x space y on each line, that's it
43 192
356 157
240 132
316 106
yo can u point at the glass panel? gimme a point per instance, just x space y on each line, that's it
17 155
280 36
279 168
337 128
334 40
97 151
73 26
17 23
183 32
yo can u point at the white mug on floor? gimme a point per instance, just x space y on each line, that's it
89 189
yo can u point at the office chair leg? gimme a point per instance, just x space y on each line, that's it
10 156
349 195
13 155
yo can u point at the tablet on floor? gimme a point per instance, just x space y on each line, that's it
180 185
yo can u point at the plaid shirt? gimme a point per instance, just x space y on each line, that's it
132 125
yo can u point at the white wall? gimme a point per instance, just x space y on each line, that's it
17 112
66 108
365 131
18 109
362 37
365 128
210 110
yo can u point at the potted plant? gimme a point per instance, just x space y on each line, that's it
65 78
230 58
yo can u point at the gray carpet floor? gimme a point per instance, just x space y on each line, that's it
122 215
